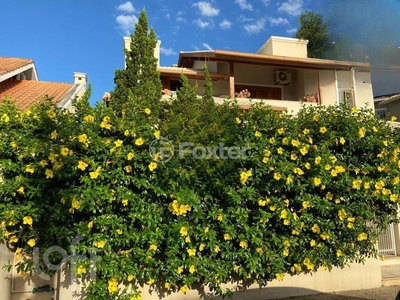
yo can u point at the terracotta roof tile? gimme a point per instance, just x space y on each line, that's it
27 92
8 64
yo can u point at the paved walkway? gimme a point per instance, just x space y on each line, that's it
382 293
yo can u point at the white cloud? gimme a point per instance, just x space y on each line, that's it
244 19
127 23
255 27
291 31
266 2
167 51
225 24
291 7
206 9
207 46
179 19
244 5
126 7
203 24
278 21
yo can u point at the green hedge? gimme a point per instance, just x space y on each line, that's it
303 195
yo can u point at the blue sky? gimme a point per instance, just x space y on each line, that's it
63 37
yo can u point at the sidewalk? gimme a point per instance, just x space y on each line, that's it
382 293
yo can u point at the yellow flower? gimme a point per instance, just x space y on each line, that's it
243 244
308 264
260 251
257 134
280 276
152 166
295 143
316 181
324 236
236 268
64 151
303 151
238 121
375 129
216 249
31 243
323 130
75 204
306 131
183 231
27 220
89 119
244 176
293 156
339 253
342 140
286 222
192 269
128 169
350 225
139 142
393 197
90 225
82 138
100 244
317 160
306 204
118 143
379 185
184 289
295 231
119 231
13 239
167 286
82 165
5 118
30 169
179 270
362 236
277 176
342 214
227 237
201 247
191 252
13 144
81 269
147 111
130 156
272 208
125 202
361 132
272 140
284 214
281 130
307 165
43 163
112 285
315 228
153 247
393 118
21 190
280 150
315 118
262 202
289 180
51 114
285 141
312 243
298 171
285 252
49 173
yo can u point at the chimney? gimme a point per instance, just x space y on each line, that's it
80 78
127 45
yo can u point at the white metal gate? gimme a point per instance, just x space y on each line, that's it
387 241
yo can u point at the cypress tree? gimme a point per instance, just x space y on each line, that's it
138 86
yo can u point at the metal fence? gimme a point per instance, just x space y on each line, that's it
387 241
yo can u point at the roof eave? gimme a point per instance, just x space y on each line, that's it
19 70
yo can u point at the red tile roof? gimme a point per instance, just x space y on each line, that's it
8 64
27 92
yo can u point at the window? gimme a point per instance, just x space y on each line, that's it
346 96
261 92
382 112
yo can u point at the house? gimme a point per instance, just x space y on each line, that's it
278 74
20 82
387 105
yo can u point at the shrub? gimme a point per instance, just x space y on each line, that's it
308 193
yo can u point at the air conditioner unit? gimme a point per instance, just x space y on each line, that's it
283 77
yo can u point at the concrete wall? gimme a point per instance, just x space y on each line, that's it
363 89
327 85
283 46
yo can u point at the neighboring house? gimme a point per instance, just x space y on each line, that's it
279 74
388 105
19 82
